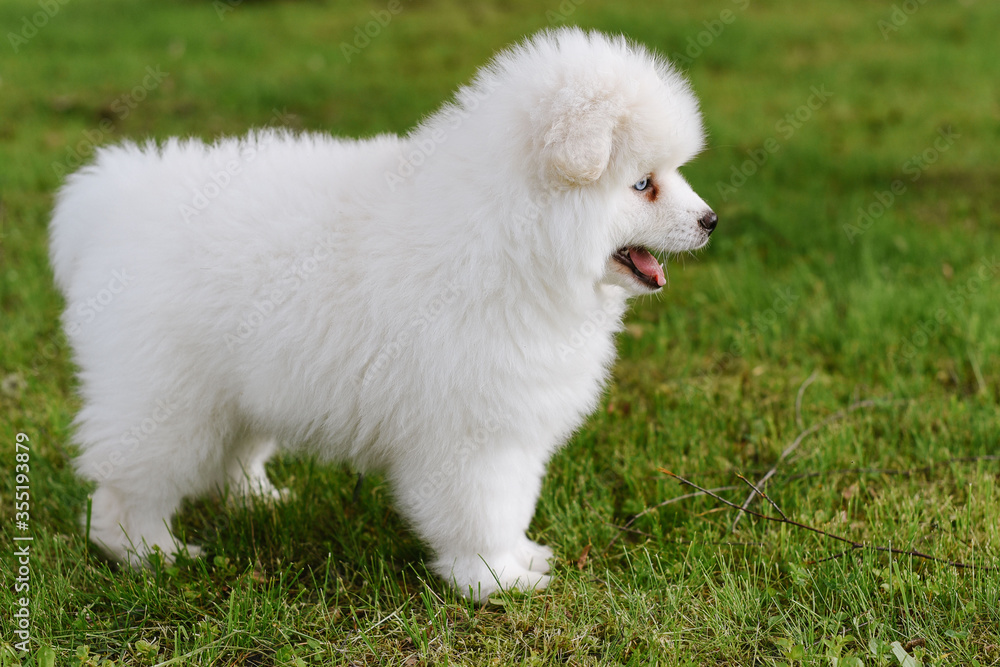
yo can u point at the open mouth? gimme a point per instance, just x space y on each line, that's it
642 264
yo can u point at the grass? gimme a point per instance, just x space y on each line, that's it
900 307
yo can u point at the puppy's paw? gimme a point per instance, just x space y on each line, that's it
143 556
534 557
276 495
189 550
264 494
250 486
524 581
148 556
477 577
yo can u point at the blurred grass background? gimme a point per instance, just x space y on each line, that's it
905 312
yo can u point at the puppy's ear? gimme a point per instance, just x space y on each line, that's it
578 143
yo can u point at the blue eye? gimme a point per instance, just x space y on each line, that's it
642 185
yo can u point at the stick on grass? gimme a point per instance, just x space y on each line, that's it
853 545
836 416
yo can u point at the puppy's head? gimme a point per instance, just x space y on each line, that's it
615 124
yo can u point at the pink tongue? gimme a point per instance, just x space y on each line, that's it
647 264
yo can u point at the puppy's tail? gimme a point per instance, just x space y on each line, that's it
82 205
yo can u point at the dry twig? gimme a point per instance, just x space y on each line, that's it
836 416
762 494
853 545
627 527
798 397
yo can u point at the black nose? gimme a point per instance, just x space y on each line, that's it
708 221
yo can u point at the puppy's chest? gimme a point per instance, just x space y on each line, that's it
563 380
588 335
581 354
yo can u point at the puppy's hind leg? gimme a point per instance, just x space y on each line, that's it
534 557
245 473
141 481
128 527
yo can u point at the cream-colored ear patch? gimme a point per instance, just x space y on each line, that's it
578 145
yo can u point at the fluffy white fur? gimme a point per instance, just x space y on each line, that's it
440 306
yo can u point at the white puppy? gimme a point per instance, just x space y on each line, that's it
440 307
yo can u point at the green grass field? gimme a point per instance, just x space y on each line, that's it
853 162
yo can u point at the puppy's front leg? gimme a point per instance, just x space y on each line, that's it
473 508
